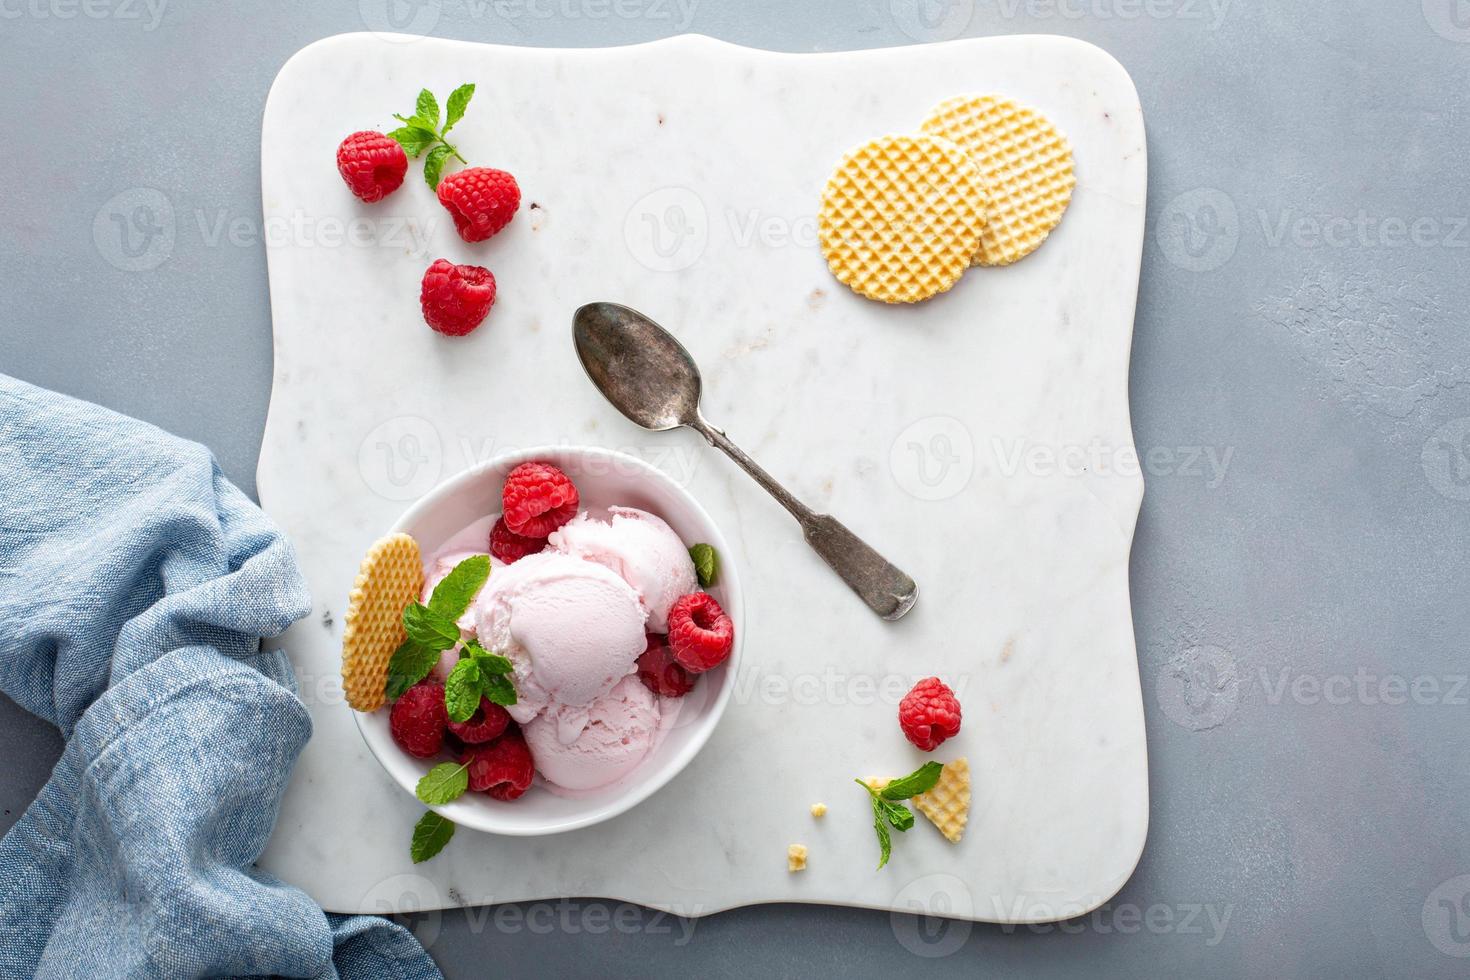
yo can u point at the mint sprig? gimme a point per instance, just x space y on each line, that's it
421 131
434 628
706 563
889 812
430 835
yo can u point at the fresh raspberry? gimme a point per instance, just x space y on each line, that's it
538 498
510 547
372 164
503 768
487 723
456 298
418 719
481 200
700 633
929 714
660 672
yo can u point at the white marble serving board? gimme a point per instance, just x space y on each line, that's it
980 440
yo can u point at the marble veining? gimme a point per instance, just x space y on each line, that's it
980 440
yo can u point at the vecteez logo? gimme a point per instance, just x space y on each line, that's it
668 229
1199 230
135 230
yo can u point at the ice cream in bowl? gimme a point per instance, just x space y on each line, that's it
568 648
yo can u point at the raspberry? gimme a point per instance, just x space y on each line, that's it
503 768
538 498
510 547
487 723
929 714
481 200
456 298
418 718
372 164
700 633
660 672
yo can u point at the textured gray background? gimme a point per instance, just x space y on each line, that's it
1300 605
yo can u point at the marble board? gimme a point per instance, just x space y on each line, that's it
980 440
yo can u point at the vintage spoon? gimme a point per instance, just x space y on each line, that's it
650 378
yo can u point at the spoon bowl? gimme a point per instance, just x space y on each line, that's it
639 366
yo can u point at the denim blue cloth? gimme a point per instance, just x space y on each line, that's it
135 585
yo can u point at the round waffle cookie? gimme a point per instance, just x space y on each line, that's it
1026 166
901 217
390 577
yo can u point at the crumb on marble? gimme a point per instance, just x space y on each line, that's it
819 809
796 857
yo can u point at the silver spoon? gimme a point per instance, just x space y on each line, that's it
650 378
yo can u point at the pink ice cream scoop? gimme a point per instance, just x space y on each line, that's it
641 548
571 628
620 729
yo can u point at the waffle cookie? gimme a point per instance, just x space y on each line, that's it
947 805
390 577
1026 166
901 218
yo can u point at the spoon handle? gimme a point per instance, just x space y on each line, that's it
886 589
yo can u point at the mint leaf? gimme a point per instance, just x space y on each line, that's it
490 663
419 122
498 689
434 165
459 100
428 628
453 595
885 843
413 140
411 663
430 835
427 108
443 784
462 690
900 816
921 780
706 563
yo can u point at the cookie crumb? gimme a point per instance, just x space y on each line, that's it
796 857
819 809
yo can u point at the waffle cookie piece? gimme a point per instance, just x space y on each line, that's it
390 577
901 217
1026 166
947 805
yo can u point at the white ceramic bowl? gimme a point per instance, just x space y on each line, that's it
604 478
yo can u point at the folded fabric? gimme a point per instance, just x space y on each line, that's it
135 585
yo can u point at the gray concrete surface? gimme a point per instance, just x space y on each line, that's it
1300 602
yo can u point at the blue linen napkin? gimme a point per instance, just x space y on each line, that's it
135 585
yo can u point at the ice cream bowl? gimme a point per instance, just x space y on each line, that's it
604 478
